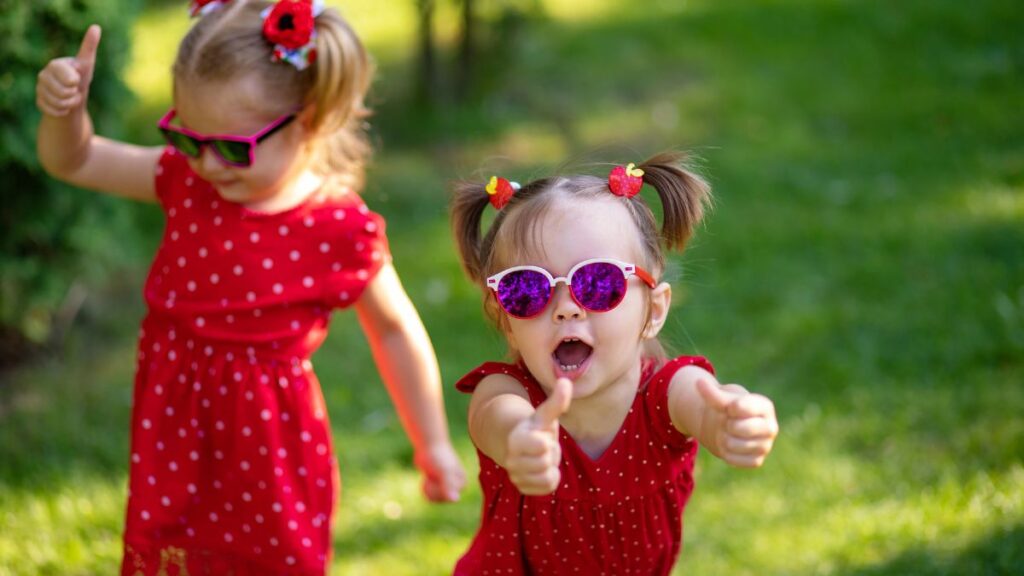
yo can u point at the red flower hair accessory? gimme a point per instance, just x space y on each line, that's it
626 181
290 26
500 191
204 7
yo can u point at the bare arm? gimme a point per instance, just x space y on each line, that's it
407 364
735 425
520 439
498 405
67 146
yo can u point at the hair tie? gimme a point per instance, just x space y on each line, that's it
626 181
500 191
290 26
204 7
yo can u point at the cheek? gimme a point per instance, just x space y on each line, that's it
627 320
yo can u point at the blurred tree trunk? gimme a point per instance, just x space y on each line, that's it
467 53
426 73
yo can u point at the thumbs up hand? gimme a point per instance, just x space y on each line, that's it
533 455
63 85
737 426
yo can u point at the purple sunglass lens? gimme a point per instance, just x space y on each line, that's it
524 293
599 287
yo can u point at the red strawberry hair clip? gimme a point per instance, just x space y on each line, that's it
626 181
500 191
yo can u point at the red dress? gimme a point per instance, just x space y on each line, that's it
619 514
232 469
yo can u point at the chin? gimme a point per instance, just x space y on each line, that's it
236 193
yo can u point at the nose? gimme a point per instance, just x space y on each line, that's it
208 161
564 307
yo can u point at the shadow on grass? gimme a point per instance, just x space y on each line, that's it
1001 553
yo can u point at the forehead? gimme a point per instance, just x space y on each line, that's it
571 230
221 107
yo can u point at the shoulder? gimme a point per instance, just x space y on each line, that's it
658 385
673 368
492 374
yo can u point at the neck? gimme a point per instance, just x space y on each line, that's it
594 421
291 195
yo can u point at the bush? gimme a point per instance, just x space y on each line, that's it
52 235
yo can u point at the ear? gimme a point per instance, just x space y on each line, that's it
306 117
661 301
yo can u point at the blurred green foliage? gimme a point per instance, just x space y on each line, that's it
47 229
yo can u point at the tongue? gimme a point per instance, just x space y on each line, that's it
572 353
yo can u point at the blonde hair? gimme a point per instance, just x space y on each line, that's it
684 198
229 44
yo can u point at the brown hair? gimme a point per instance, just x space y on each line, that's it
229 43
684 197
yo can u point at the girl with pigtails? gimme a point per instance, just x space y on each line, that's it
587 439
232 467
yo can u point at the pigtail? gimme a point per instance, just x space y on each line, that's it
469 201
343 72
684 196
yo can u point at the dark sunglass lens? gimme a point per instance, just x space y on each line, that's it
599 286
524 293
232 152
184 144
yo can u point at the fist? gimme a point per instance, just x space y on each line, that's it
742 425
533 455
63 85
443 476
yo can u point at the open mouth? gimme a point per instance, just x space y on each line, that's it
571 353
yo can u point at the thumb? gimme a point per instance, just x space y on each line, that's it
546 416
714 395
86 57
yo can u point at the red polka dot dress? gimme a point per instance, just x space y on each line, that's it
232 469
617 515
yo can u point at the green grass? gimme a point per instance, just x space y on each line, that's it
864 267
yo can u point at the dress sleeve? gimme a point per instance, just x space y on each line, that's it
656 398
468 383
168 175
357 249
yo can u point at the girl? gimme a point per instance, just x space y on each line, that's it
232 468
587 441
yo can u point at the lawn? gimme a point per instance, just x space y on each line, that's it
863 266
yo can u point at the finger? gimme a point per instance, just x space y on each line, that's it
530 464
61 72
531 443
54 107
714 395
538 484
61 103
58 91
50 110
752 428
748 446
432 490
90 42
745 460
451 483
547 414
752 405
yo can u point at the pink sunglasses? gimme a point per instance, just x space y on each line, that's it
598 285
238 151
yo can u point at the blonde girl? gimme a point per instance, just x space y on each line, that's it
232 467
